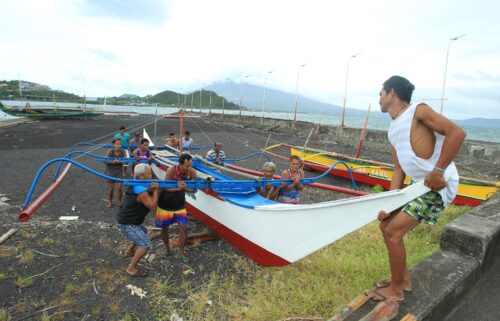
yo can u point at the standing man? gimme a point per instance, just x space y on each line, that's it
115 169
186 142
137 203
123 135
172 202
424 145
136 141
216 155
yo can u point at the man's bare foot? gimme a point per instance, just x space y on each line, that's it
128 253
385 294
110 205
136 272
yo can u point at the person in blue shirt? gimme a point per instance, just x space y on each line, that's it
123 135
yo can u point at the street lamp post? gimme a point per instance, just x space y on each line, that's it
296 96
241 93
201 91
264 99
446 68
223 94
210 103
345 90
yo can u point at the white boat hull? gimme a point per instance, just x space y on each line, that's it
280 234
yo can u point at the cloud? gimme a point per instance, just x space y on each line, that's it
153 12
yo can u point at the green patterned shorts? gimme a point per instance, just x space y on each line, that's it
426 208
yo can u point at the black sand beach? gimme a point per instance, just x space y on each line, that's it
73 270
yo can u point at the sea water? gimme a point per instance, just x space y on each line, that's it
376 121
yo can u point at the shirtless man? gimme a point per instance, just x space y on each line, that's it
424 145
172 141
172 202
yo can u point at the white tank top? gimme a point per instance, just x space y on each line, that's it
415 167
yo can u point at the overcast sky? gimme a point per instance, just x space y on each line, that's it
108 48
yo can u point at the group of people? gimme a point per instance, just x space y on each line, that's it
423 146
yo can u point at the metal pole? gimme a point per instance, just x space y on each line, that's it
446 69
156 117
241 94
345 89
264 99
296 97
210 104
201 91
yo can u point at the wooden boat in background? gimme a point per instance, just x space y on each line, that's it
471 192
50 112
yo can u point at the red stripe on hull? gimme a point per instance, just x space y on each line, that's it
257 253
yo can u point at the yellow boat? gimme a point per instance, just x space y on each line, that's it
471 192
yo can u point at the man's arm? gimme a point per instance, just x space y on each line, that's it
453 135
193 177
147 200
398 176
453 139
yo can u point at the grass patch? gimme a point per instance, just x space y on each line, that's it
318 285
26 257
3 276
69 288
7 251
47 241
4 315
24 282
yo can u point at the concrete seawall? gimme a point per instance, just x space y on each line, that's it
374 139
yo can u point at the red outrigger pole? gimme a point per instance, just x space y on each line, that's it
362 137
181 129
29 210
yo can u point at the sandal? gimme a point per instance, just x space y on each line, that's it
386 283
380 297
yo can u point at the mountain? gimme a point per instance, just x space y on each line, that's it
208 98
277 100
13 89
479 122
129 96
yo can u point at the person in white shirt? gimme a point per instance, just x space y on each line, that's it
187 142
216 155
424 145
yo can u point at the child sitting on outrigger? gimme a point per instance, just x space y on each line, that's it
143 154
270 192
290 194
115 169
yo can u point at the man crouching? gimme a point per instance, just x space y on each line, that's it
136 204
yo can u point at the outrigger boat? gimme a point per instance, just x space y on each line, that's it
269 233
53 112
471 192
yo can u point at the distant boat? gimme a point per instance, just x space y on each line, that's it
50 112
